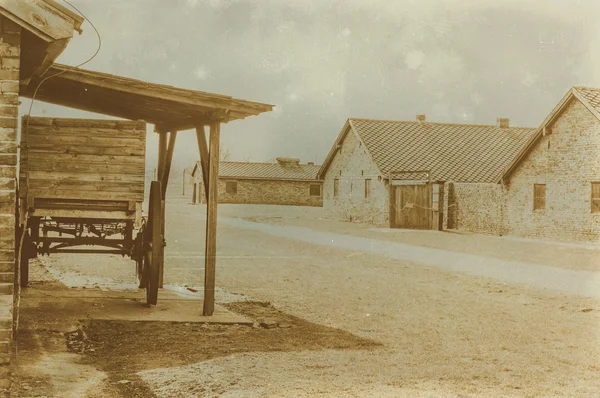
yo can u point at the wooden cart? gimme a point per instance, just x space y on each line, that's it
171 110
81 189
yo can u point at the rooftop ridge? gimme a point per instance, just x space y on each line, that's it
271 163
442 124
587 88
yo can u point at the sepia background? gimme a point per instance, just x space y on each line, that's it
323 61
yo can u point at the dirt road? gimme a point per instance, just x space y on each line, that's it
410 321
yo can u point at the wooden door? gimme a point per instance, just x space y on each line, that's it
411 206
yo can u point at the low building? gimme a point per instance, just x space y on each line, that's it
552 187
287 182
416 158
539 183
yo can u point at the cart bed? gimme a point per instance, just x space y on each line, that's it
82 168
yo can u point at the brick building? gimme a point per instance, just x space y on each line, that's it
552 188
32 36
286 182
540 183
368 154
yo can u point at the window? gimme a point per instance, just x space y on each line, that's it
539 196
231 187
336 187
315 189
367 187
595 197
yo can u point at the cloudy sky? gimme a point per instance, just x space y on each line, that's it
323 61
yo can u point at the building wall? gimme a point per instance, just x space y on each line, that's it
476 207
268 192
352 166
567 161
10 44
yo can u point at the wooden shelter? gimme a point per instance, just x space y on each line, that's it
171 110
47 29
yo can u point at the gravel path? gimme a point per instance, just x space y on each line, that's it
583 283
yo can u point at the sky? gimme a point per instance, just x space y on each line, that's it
321 62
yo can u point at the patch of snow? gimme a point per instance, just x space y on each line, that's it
221 296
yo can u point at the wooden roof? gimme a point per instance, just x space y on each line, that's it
167 107
47 19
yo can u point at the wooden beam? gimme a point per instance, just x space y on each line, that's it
203 149
42 19
391 200
164 178
162 151
165 170
52 52
211 221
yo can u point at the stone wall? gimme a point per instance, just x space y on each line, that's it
267 192
10 44
475 208
567 160
352 165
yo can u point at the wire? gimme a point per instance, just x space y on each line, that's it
26 129
26 216
413 205
77 66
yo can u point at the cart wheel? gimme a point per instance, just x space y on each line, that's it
138 254
154 257
25 256
140 273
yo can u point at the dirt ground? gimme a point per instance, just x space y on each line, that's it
329 321
71 354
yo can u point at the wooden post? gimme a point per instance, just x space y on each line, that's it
162 150
162 153
168 159
203 149
183 182
391 200
194 195
211 220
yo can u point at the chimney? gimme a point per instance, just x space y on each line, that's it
420 118
502 122
288 162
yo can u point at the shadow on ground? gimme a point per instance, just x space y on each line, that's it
120 349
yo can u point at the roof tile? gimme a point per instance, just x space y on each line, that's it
592 95
452 152
268 171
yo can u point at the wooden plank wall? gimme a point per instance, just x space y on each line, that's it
412 206
83 159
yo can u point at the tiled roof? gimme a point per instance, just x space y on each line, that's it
268 171
591 95
452 152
